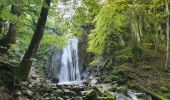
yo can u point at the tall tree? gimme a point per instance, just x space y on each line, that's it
10 37
167 35
25 65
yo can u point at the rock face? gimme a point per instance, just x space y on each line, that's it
54 63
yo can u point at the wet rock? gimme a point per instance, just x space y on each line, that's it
93 82
78 89
54 80
69 93
24 83
28 92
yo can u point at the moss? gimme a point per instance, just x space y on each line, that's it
110 95
108 80
70 93
58 93
106 98
53 98
44 88
77 98
163 89
119 79
92 95
118 72
122 89
98 91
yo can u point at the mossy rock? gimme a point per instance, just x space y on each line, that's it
164 89
77 98
122 90
106 98
53 98
58 93
92 95
118 72
69 93
44 88
98 91
109 95
107 80
119 79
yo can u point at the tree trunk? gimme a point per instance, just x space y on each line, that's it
10 37
167 35
25 65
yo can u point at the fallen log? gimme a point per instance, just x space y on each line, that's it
142 88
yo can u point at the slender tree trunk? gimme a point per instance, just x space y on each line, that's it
10 37
167 35
1 20
25 65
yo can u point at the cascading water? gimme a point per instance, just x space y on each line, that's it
69 70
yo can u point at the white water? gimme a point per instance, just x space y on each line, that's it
69 70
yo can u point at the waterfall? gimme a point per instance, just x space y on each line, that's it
69 70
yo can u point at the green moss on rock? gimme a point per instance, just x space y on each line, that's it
164 89
122 89
92 95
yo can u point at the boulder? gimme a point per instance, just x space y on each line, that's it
92 95
28 93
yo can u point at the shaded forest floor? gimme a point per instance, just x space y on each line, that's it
152 75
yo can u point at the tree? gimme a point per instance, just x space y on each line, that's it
167 35
26 62
10 37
